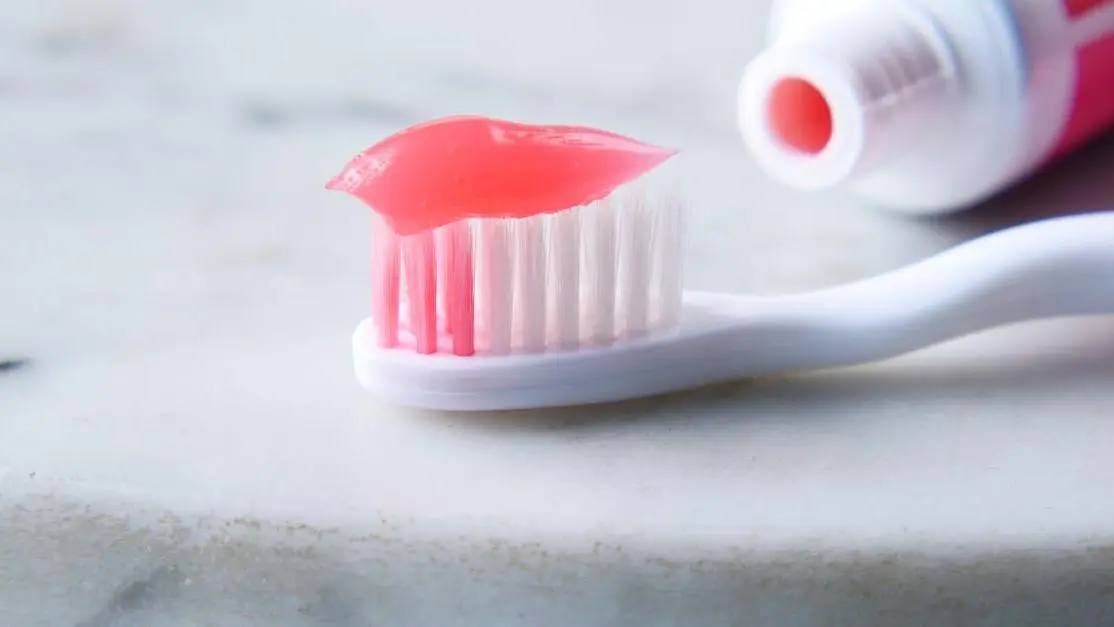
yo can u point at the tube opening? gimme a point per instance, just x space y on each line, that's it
799 116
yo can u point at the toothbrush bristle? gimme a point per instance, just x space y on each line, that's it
459 304
386 287
588 276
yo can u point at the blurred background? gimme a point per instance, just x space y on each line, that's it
160 156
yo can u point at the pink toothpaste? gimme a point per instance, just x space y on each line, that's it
927 106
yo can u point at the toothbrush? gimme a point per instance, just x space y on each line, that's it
586 305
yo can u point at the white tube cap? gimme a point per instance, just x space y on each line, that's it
888 79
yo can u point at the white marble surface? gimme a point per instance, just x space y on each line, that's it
185 443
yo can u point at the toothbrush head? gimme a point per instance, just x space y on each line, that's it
505 313
500 246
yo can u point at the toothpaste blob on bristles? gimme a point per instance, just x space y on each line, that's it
450 169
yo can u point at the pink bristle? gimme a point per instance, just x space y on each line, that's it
438 269
444 272
386 284
421 290
460 308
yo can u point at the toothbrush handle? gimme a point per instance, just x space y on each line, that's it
1054 268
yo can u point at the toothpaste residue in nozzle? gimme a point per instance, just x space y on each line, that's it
926 106
799 115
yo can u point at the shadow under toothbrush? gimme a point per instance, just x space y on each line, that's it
1080 362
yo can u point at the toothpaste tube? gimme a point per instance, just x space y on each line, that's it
927 106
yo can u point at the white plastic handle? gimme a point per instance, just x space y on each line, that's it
1055 268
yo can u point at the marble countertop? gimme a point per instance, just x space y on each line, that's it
182 441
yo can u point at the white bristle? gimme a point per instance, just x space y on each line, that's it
600 267
636 266
669 255
589 276
564 287
495 278
530 306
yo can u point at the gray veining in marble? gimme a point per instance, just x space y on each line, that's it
182 441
